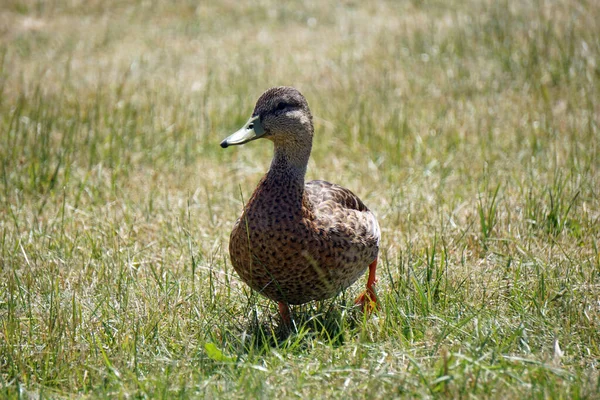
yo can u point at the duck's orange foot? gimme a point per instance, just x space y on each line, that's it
368 300
285 313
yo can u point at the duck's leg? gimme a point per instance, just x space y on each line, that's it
368 300
284 311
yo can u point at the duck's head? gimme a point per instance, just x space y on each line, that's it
281 115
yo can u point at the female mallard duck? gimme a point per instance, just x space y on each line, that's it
298 242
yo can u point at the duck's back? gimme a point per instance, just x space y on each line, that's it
337 207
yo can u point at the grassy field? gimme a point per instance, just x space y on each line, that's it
471 128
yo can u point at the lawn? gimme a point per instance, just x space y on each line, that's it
471 128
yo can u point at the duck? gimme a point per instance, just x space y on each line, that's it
298 241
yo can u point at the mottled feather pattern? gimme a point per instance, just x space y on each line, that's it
340 210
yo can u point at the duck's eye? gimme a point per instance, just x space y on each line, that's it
281 106
251 126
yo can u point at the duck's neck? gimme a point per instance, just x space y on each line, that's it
283 185
282 188
289 164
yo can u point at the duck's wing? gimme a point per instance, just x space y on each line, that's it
320 192
341 212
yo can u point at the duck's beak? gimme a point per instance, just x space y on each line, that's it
251 130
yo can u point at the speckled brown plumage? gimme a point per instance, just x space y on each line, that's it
298 242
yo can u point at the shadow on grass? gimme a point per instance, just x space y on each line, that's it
328 322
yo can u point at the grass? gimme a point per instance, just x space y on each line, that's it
471 129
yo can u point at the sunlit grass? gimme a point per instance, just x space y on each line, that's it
470 128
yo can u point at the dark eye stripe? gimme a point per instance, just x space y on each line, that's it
281 106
